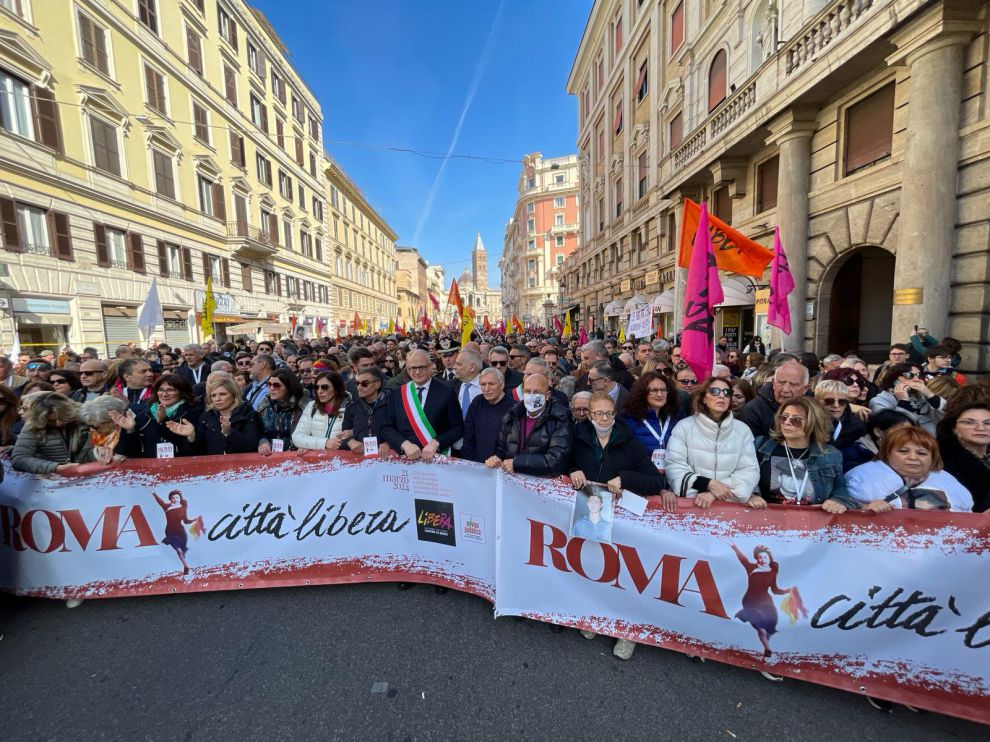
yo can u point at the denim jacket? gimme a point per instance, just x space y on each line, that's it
824 471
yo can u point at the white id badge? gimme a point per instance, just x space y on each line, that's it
166 451
370 446
659 457
278 445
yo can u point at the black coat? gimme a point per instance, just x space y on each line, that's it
245 433
441 410
545 451
624 457
148 433
972 473
850 432
366 419
759 413
186 373
482 426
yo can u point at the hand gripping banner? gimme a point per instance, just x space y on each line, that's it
893 606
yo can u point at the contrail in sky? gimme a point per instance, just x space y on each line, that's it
475 82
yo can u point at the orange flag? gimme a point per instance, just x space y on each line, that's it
734 251
487 326
455 297
516 324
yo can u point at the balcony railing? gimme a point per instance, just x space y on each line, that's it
825 28
36 248
730 111
250 241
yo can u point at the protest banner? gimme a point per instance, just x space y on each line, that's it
641 323
890 605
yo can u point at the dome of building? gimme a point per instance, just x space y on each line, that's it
466 278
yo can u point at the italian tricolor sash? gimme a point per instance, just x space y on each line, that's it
417 417
517 392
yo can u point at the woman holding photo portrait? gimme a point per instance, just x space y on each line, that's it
908 474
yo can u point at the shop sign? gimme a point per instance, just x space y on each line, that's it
762 305
652 277
41 306
626 285
226 303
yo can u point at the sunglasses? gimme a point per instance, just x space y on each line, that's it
906 374
791 419
831 402
324 387
498 363
719 392
363 384
55 380
627 347
89 373
35 366
688 382
851 382
516 358
275 385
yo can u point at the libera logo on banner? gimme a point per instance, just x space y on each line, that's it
435 522
472 527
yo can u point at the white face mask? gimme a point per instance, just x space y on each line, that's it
602 430
534 402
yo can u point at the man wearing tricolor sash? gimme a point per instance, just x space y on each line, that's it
423 418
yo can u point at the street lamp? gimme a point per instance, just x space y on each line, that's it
548 310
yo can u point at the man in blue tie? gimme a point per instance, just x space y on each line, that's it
467 367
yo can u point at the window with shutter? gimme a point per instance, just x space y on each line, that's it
46 120
230 85
716 80
163 262
106 156
207 271
617 124
676 28
148 15
93 39
225 272
237 154
164 177
299 147
722 205
870 129
187 264
201 123
246 277
240 215
102 251
219 202
280 133
61 236
11 231
16 111
205 188
766 184
194 49
135 252
676 130
155 89
642 84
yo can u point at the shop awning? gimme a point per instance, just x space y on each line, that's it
664 303
613 309
738 292
635 304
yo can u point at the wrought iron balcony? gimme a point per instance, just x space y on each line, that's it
248 241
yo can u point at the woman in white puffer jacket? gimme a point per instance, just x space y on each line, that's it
711 455
320 426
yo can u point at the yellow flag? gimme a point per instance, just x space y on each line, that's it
568 330
622 335
391 325
467 325
209 309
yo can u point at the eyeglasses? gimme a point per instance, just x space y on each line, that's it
658 390
324 387
832 402
718 391
363 384
688 382
603 414
418 368
968 422
579 410
498 363
791 420
592 381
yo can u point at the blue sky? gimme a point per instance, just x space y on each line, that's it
399 73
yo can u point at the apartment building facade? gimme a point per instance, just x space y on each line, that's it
364 260
857 126
411 283
151 139
542 232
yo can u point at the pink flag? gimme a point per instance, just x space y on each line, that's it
704 291
582 336
781 285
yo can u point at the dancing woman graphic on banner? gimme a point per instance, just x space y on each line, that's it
176 518
758 609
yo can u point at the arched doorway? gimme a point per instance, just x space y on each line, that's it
861 300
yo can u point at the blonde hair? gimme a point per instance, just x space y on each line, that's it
225 380
601 397
44 404
831 386
817 426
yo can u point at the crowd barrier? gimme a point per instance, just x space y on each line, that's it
893 606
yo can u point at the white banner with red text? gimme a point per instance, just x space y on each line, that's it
893 605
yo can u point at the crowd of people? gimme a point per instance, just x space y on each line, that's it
766 428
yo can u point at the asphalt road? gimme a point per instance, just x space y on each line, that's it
301 663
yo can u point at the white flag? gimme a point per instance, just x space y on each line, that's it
151 313
15 351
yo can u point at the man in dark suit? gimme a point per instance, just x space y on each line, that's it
404 431
196 368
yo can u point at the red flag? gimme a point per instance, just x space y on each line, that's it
704 291
734 251
781 285
455 297
357 322
557 326
486 326
434 301
516 324
582 336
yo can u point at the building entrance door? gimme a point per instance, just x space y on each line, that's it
861 305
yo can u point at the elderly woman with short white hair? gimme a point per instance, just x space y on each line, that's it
848 429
